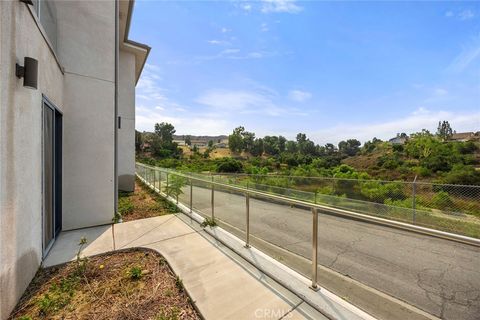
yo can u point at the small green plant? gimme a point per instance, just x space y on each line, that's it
175 185
135 273
25 318
117 218
59 294
179 283
125 205
46 304
208 222
171 314
81 262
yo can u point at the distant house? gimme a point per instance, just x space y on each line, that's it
221 145
180 142
463 136
199 143
398 140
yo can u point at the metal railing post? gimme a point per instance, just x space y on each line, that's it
154 179
213 200
166 188
247 229
191 195
314 285
414 200
160 181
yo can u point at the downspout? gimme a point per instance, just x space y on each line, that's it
115 119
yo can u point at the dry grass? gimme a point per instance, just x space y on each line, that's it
135 284
143 203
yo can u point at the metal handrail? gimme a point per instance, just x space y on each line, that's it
343 212
314 208
230 174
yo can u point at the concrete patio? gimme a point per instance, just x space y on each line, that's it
221 284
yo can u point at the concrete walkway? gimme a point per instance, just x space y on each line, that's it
221 285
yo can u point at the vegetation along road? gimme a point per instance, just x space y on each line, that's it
438 276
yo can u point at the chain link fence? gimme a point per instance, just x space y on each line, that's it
446 207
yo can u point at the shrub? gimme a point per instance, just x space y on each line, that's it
208 222
229 165
442 200
461 174
135 273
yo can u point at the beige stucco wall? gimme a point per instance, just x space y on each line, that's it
126 110
86 39
79 78
20 149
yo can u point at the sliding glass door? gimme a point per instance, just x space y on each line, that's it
52 174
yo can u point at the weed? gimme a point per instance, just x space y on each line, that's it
125 205
179 283
81 262
208 222
172 314
25 318
135 273
117 218
59 295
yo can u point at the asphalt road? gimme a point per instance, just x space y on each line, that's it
438 276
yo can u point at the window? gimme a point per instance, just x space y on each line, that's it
47 14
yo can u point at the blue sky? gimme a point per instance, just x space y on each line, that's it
333 70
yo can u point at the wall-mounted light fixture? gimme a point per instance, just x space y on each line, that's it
29 72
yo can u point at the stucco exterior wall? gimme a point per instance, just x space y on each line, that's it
21 149
86 48
126 110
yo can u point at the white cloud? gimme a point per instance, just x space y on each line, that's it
285 6
440 92
466 15
420 119
247 7
470 52
218 42
264 27
236 54
146 118
259 100
225 30
152 103
299 95
462 15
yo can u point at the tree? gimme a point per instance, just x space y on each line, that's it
281 143
270 145
138 141
291 146
235 140
350 147
188 140
257 149
330 149
248 140
162 141
210 144
444 131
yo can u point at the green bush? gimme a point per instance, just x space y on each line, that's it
229 165
441 200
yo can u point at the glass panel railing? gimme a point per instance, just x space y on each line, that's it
230 210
